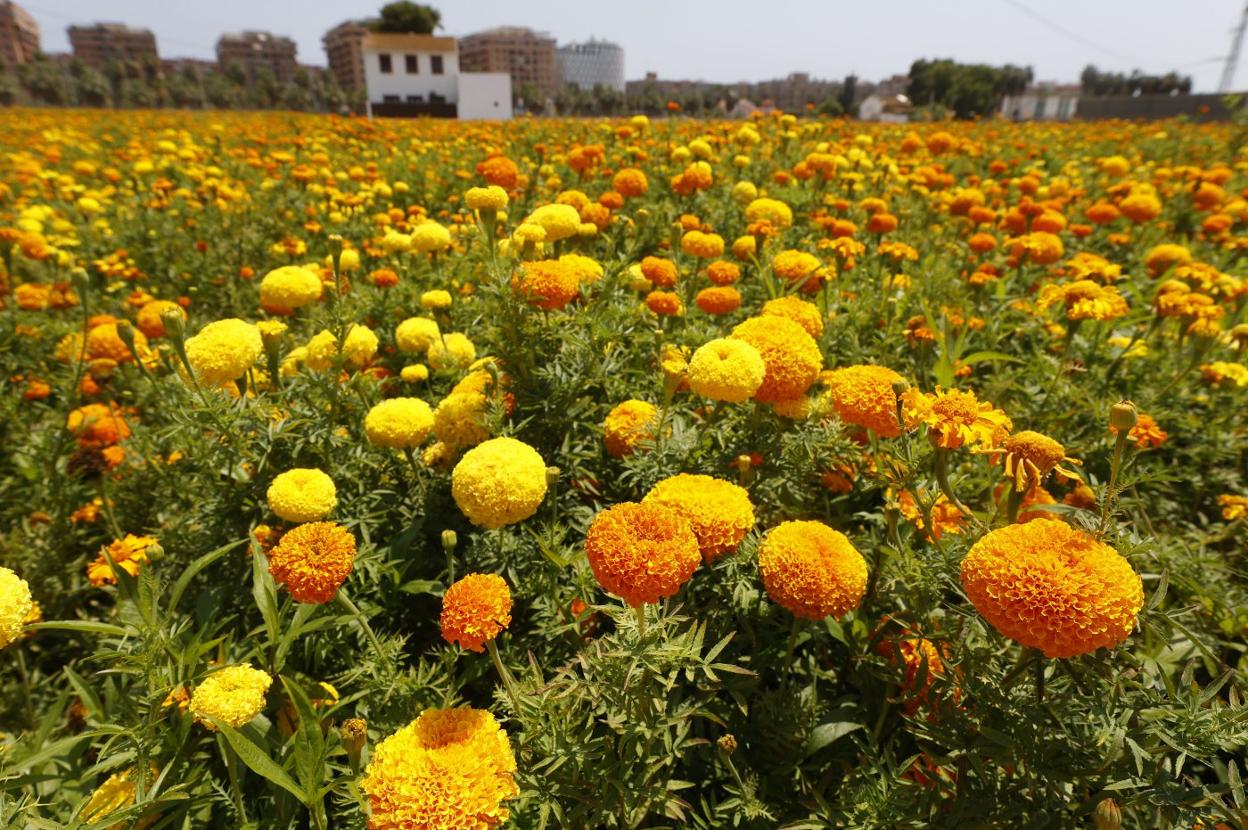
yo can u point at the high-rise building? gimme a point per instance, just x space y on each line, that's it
592 63
19 35
527 56
344 47
100 44
256 52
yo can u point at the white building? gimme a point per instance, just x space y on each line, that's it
1042 102
592 63
408 75
889 109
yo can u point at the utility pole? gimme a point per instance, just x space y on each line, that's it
1232 60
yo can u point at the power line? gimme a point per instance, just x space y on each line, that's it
56 15
1057 27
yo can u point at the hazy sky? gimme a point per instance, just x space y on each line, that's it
735 40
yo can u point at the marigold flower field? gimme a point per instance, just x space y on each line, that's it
621 473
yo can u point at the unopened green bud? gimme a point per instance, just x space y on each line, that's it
450 539
1107 815
1123 416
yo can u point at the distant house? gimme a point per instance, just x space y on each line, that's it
890 109
1042 102
410 75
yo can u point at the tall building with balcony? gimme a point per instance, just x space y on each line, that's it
344 48
19 35
527 56
256 52
100 44
591 64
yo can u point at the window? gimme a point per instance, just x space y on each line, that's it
413 68
386 67
415 99
390 99
436 61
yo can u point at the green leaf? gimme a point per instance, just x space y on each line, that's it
88 626
184 581
309 742
259 762
423 586
983 357
265 593
826 734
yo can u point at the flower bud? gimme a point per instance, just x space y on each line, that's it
79 279
174 326
1123 416
1107 815
552 476
901 387
450 539
727 744
1239 334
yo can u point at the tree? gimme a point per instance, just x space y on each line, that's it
848 90
1094 83
406 17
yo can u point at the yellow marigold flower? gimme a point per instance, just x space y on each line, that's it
529 234
790 354
399 423
290 287
104 343
1233 508
1222 373
864 396
435 300
475 610
799 311
460 419
745 192
129 554
302 495
15 606
773 211
675 362
1029 457
726 370
719 512
558 221
1054 588
234 695
548 284
588 271
954 418
798 268
946 517
499 482
415 373
416 334
1160 258
313 561
449 768
812 570
359 348
223 351
1140 207
702 245
486 198
1084 300
430 237
116 793
641 552
452 351
628 425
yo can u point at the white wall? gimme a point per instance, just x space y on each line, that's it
485 95
399 83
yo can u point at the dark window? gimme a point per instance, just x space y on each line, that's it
435 98
386 67
437 64
413 67
390 99
415 99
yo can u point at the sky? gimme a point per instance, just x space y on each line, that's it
745 40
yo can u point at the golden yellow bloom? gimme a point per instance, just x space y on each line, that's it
954 418
1233 507
719 511
1030 457
460 419
430 237
449 768
15 606
475 610
558 221
223 351
399 423
128 553
499 482
812 570
864 396
435 300
806 315
302 495
492 197
116 793
641 552
773 211
416 334
1084 300
791 356
628 425
726 370
313 561
290 287
234 695
451 351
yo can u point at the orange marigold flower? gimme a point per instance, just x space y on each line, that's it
628 426
790 354
812 570
946 517
1147 433
1233 507
665 303
500 171
954 418
129 554
98 425
723 272
641 552
864 396
630 182
549 284
806 315
1053 588
718 299
916 656
661 272
1029 457
475 610
313 561
719 511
